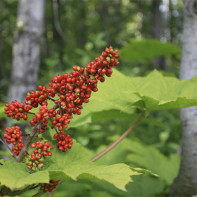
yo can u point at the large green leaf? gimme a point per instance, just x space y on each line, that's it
148 49
122 95
150 158
142 186
15 175
140 155
112 95
74 164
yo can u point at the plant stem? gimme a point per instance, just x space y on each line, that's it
120 138
27 143
28 123
54 126
28 112
51 99
8 147
50 194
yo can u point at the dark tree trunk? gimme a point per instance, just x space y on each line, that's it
157 31
186 182
105 19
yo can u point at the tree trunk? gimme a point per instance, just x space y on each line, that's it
157 31
186 182
26 49
104 14
171 23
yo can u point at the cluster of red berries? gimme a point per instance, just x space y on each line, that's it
13 136
41 116
42 150
73 90
102 65
36 97
17 110
49 186
68 92
64 141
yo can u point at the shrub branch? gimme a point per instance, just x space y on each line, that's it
120 138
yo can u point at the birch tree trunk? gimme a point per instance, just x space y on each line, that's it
186 182
26 49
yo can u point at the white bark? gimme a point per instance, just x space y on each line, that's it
26 50
186 182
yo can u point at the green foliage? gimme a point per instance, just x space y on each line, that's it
150 158
135 154
143 186
75 165
124 95
19 177
148 49
146 184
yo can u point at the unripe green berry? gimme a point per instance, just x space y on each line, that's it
34 168
40 136
108 59
40 165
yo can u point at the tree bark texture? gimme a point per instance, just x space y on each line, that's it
26 49
157 30
186 182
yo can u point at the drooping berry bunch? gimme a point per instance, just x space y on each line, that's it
17 110
49 186
42 150
64 141
66 94
14 136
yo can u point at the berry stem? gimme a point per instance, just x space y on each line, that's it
28 123
120 138
28 112
51 99
8 147
27 143
54 126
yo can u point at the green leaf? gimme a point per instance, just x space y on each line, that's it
111 97
2 114
5 153
139 155
74 164
15 175
121 95
148 49
150 158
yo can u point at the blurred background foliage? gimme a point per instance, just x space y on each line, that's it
80 32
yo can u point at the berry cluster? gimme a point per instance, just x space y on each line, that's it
42 150
17 110
102 65
64 141
66 94
13 136
49 187
41 117
36 97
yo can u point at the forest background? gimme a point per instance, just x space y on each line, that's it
74 32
